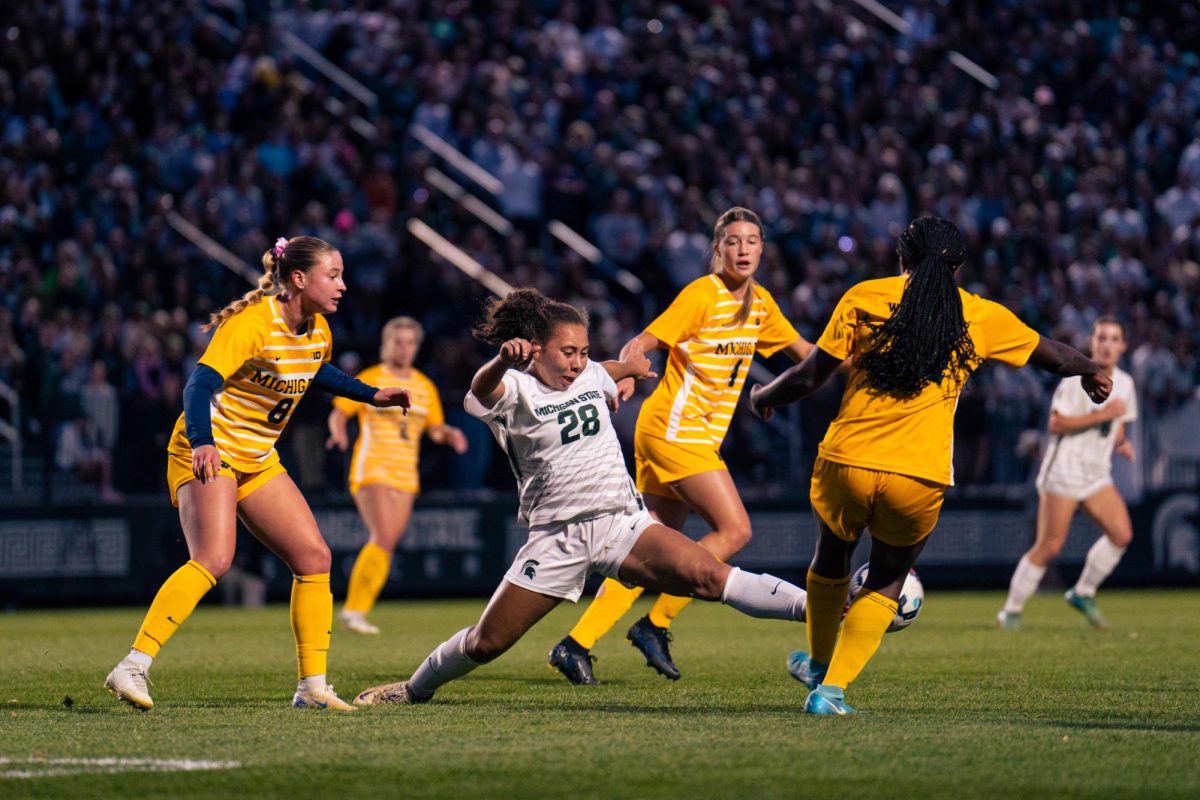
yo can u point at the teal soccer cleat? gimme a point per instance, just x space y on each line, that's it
827 700
805 670
1009 621
1087 606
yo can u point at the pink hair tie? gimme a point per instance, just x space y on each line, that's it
280 245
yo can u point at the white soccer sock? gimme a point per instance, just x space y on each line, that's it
143 660
311 683
1102 559
1024 583
763 596
447 662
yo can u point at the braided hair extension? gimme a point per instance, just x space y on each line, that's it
525 314
927 337
302 253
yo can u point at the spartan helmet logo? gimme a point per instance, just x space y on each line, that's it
529 569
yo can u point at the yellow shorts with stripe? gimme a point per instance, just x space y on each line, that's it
179 472
660 463
408 487
900 510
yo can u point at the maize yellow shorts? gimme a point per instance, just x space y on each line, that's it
660 463
179 472
900 510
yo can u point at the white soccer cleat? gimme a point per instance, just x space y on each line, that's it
356 622
128 681
324 697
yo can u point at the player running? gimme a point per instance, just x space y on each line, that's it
384 480
886 460
268 348
1077 472
548 406
712 330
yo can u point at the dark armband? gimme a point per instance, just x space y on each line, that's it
334 381
197 401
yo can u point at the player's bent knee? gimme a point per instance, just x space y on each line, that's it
737 536
312 560
217 564
482 647
710 580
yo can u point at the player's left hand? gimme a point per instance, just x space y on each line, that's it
762 412
637 366
1125 448
393 396
456 439
1097 385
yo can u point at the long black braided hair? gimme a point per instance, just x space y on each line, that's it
926 338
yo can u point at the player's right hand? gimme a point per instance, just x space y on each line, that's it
339 440
760 411
518 352
1097 385
206 463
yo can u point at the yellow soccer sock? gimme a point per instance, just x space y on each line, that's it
666 609
367 578
823 612
176 600
312 619
862 631
611 603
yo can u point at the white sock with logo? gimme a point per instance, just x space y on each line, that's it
447 662
1025 580
1102 559
763 596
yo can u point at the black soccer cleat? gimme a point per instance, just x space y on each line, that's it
653 642
574 662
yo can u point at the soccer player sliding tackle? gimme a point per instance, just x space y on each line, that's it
548 405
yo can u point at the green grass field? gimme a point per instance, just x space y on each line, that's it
953 707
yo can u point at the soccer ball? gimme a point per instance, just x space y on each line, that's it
912 597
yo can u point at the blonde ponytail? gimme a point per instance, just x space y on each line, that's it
267 286
301 253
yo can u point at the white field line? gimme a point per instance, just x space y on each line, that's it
58 767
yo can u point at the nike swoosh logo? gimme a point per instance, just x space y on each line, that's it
776 589
171 620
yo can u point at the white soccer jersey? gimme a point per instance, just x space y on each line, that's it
1085 457
561 446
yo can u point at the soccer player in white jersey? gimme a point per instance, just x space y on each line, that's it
548 406
1077 471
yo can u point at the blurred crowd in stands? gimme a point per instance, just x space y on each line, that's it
1076 180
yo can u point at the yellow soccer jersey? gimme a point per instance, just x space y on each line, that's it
267 369
709 357
389 443
910 437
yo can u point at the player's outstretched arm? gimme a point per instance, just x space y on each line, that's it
641 344
1062 359
334 381
794 384
487 384
633 365
1067 424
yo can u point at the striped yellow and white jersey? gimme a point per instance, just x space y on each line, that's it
709 357
389 442
267 368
